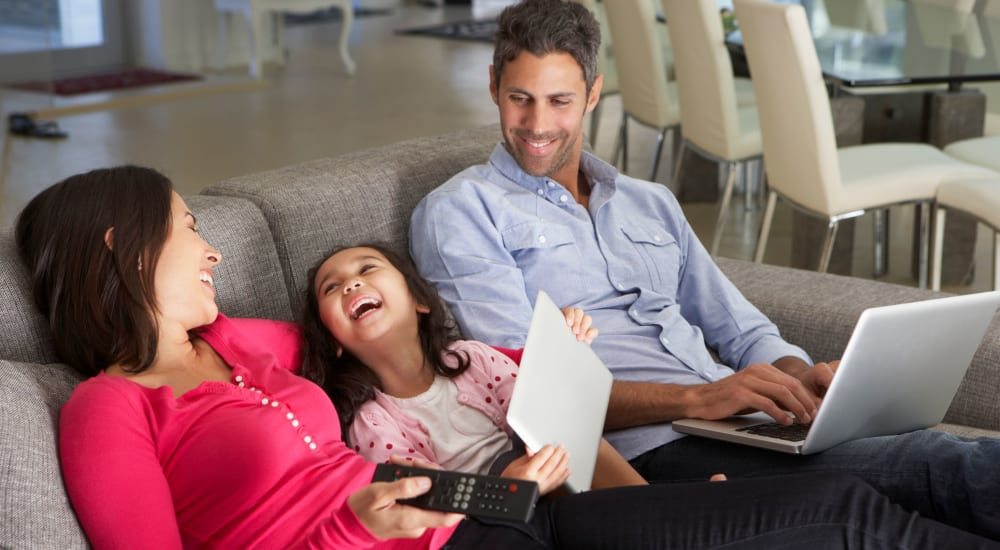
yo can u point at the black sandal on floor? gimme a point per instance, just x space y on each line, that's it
22 124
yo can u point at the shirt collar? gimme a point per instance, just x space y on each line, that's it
599 173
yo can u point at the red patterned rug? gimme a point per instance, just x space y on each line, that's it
132 78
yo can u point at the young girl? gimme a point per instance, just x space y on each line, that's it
404 385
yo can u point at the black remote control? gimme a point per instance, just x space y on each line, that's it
470 494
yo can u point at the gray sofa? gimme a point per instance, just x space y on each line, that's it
272 226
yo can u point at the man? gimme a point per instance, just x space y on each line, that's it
544 215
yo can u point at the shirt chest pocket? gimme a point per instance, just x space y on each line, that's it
545 253
657 258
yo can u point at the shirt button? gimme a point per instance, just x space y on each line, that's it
563 198
665 340
264 401
552 183
307 439
295 423
290 416
239 378
633 312
312 446
274 403
657 238
541 239
541 192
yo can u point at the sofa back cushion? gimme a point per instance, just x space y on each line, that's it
34 509
24 332
249 280
360 197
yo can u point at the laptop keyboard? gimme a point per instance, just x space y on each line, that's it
793 432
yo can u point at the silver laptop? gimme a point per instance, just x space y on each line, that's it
561 394
899 373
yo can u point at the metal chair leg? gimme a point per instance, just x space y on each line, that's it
827 251
675 178
657 152
880 251
996 260
925 244
720 222
940 213
765 227
622 147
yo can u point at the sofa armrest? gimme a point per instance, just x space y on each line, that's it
818 311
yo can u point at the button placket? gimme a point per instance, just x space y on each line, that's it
270 402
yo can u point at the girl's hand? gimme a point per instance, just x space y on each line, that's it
377 509
580 323
549 468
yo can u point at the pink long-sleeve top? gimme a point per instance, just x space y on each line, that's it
257 462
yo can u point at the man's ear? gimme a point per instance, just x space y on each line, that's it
595 93
109 238
494 92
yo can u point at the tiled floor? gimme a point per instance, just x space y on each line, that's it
405 86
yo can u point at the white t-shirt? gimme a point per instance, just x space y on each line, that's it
464 439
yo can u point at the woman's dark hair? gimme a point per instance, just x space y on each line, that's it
95 286
542 27
348 381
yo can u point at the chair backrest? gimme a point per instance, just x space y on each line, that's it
605 63
796 125
642 72
867 16
705 87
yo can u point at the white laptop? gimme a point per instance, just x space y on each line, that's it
561 394
899 373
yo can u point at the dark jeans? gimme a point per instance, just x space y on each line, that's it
797 511
941 476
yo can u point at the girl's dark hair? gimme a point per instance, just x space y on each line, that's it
95 287
348 381
542 27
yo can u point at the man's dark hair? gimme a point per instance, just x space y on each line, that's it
541 27
95 287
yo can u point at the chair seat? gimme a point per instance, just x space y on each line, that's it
747 143
979 198
889 173
745 96
984 151
992 124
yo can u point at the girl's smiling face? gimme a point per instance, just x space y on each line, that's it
364 299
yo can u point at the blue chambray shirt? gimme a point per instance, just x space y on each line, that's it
493 236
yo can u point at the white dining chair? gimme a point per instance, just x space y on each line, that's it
979 199
605 67
259 15
804 166
642 75
714 125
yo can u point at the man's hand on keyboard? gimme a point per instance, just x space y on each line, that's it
759 387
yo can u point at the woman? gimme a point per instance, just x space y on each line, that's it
193 429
